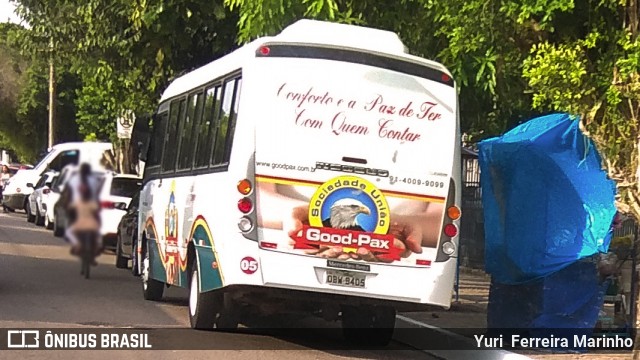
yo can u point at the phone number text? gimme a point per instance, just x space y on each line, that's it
413 181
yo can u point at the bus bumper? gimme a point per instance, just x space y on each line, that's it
402 284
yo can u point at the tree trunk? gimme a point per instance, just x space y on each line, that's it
133 157
636 320
126 159
120 157
123 162
638 165
632 12
52 96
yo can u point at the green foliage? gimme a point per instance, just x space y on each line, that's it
541 12
260 18
594 73
21 121
124 52
556 69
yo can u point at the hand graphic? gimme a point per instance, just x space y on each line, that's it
406 237
410 234
293 225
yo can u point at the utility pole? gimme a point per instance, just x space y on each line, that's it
52 92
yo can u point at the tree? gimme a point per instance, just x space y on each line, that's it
23 99
124 53
47 39
32 110
12 80
593 71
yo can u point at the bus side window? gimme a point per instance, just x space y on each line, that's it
170 157
198 132
154 154
232 120
185 155
208 126
226 123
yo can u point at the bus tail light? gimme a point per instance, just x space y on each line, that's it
245 224
247 221
450 230
244 187
449 248
245 205
422 262
268 245
454 212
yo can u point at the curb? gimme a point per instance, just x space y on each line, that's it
473 271
453 341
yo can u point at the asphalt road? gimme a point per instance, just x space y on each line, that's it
41 286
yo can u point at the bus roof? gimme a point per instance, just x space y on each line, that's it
307 32
212 70
342 35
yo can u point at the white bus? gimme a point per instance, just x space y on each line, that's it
316 170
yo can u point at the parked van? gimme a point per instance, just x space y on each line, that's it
16 192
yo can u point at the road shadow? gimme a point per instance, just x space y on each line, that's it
176 300
310 332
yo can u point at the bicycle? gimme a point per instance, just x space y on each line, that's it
87 255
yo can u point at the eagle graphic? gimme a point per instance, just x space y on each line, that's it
343 215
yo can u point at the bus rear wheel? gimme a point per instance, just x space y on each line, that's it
202 306
366 325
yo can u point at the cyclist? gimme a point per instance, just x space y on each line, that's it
83 211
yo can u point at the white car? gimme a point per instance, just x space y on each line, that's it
49 202
41 190
16 191
115 195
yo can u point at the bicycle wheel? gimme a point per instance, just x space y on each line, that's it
87 253
87 267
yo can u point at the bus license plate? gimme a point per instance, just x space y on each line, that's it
338 278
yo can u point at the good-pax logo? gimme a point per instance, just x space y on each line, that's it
352 213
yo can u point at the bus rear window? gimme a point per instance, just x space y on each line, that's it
125 187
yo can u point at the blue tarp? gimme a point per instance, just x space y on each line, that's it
546 200
563 304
